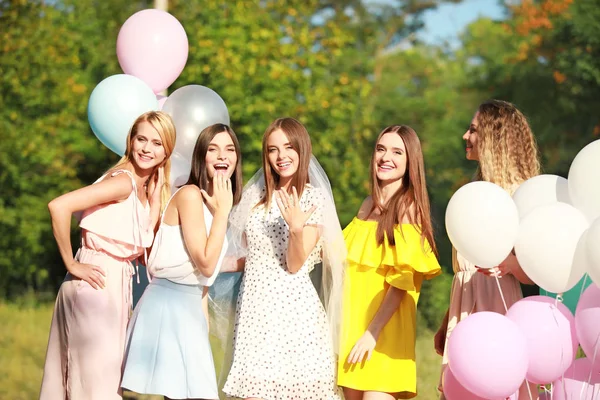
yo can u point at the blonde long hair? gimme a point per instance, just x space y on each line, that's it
508 153
165 127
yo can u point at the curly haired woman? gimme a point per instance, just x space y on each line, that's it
500 140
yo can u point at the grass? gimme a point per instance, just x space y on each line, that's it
24 336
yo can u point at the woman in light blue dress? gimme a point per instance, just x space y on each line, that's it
168 351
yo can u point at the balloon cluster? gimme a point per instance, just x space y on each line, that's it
152 49
553 225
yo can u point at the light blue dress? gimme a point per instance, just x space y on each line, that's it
168 351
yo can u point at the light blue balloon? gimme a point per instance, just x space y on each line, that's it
114 105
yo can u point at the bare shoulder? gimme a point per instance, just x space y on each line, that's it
188 202
107 190
189 193
365 208
120 182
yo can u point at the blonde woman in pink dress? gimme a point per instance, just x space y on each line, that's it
501 141
120 211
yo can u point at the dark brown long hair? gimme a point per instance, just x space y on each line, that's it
300 141
199 173
412 195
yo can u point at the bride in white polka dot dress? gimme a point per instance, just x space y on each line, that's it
283 347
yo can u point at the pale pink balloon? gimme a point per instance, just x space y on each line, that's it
161 100
453 390
549 328
487 353
153 46
575 383
587 323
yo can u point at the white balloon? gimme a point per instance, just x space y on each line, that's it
482 222
180 171
539 191
193 108
551 246
584 180
593 251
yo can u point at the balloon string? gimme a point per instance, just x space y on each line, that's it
506 310
583 285
529 389
546 391
559 299
500 289
595 348
589 380
581 394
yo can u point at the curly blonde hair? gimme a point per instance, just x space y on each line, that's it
508 153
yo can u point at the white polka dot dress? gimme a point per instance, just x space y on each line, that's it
282 346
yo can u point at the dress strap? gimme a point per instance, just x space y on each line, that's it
162 217
136 219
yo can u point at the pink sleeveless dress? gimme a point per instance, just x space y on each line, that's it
87 334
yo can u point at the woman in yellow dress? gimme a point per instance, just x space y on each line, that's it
390 252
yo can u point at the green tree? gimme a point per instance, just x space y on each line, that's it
544 58
307 59
52 56
313 60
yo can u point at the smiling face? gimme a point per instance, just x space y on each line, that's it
221 157
390 157
470 137
147 147
283 158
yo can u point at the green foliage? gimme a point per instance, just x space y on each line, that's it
433 301
300 59
309 60
51 58
547 63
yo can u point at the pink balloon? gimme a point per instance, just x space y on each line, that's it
152 45
575 383
549 328
587 323
487 353
161 100
453 390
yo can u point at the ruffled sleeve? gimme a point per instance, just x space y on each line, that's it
406 264
409 257
361 243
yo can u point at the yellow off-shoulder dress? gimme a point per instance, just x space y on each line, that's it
370 271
